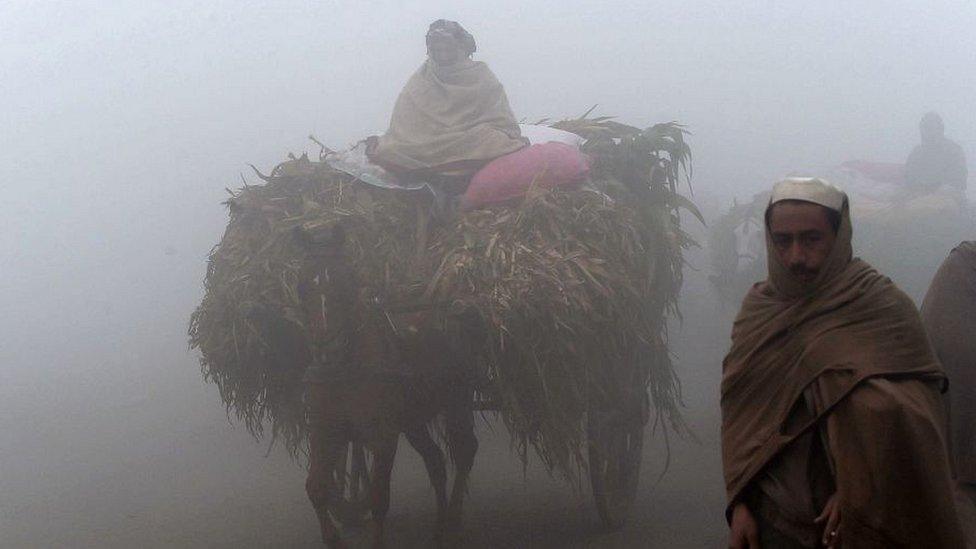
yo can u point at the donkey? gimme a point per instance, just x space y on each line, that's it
367 385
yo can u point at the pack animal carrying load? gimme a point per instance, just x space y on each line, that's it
894 222
562 296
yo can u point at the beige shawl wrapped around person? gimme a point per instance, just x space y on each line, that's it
448 120
949 315
855 335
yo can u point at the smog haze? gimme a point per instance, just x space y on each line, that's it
125 123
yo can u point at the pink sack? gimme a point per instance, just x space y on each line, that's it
546 165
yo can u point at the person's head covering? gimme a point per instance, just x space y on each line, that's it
820 192
932 120
809 189
452 29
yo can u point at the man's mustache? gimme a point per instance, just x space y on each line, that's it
801 270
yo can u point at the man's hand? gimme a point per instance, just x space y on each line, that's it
744 532
830 519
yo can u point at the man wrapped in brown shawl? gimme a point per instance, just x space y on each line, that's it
949 315
452 117
832 423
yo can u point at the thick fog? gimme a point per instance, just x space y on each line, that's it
124 122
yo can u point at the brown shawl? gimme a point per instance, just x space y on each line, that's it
949 315
448 120
859 338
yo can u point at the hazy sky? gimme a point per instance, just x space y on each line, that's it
124 121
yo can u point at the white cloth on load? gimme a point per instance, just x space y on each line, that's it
537 134
354 162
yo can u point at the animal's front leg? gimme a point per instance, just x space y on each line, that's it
464 445
419 437
320 485
325 446
384 452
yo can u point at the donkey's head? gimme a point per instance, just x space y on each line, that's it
327 288
321 242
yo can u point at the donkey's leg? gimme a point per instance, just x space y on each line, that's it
324 450
463 444
384 452
423 443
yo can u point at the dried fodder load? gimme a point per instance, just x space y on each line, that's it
570 289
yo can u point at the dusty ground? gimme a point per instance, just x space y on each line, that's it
127 447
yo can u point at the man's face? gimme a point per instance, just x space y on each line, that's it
444 50
802 237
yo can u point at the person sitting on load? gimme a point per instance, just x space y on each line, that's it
451 118
937 161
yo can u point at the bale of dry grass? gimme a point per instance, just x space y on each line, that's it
571 289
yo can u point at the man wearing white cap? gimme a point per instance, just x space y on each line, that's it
833 431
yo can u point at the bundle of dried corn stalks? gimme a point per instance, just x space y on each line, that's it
571 288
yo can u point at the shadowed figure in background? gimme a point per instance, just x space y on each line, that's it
949 315
937 161
833 430
451 118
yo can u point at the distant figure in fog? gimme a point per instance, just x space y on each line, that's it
833 428
451 118
937 161
949 315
